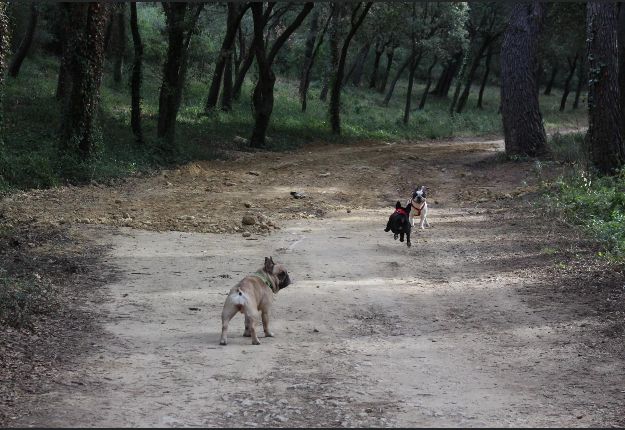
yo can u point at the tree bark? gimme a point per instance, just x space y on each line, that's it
262 97
235 14
174 67
137 76
379 50
309 49
581 80
567 83
84 59
475 63
303 91
333 58
604 137
5 49
226 94
413 68
390 53
446 78
22 50
391 89
621 61
489 56
119 21
428 84
360 65
552 78
522 121
335 94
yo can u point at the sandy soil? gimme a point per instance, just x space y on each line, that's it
497 316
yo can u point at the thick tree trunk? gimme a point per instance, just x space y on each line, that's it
552 78
167 111
522 122
424 96
621 61
475 63
605 139
489 56
391 89
413 68
22 50
137 76
86 24
581 80
5 49
262 97
119 21
379 50
390 53
226 94
335 94
235 13
306 78
567 83
309 49
333 57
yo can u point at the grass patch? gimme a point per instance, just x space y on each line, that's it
597 204
568 148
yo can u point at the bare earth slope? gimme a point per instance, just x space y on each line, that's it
495 316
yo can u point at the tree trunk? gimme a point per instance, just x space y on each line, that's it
245 67
567 83
241 51
390 53
307 70
335 95
461 73
391 89
5 49
489 55
226 94
604 136
333 58
379 50
522 121
86 24
428 84
360 65
581 80
179 31
22 51
309 49
413 68
137 75
621 61
262 97
235 14
552 78
119 21
475 63
445 80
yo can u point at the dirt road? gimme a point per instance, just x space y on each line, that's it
488 320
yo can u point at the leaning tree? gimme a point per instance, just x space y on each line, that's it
522 122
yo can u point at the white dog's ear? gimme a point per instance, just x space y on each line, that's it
269 265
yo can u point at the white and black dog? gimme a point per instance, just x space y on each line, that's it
419 207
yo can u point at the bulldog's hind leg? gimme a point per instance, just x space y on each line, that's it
228 312
246 332
265 316
253 316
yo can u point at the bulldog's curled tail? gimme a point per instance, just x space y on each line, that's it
239 299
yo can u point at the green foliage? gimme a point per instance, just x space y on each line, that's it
569 148
21 299
597 204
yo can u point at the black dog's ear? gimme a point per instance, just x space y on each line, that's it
397 205
269 265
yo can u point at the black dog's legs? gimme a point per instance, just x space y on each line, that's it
401 236
408 235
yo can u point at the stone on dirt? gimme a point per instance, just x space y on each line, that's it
248 220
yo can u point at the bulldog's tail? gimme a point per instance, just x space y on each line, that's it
239 299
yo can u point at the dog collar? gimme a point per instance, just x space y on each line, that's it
265 280
401 211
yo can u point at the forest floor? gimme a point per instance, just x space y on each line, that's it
498 315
